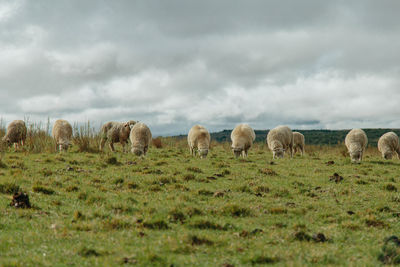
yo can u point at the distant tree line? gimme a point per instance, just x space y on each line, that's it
313 137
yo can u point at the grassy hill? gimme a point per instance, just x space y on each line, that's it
172 209
313 137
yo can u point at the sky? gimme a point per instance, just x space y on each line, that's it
307 64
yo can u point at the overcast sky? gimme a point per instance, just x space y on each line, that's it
172 64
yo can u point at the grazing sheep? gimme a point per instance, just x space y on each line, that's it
16 133
199 138
298 142
62 134
356 141
242 139
279 140
140 137
388 145
115 132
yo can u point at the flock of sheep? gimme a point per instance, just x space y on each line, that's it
280 139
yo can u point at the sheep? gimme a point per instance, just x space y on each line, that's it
140 137
199 138
279 140
356 141
115 132
298 142
388 145
242 139
62 134
16 133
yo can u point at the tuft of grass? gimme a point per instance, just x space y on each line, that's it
390 187
194 169
236 210
189 177
205 224
156 225
43 190
176 215
88 252
195 240
112 161
262 259
268 171
116 224
9 188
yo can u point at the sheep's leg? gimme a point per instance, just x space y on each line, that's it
291 150
111 145
145 150
123 146
102 143
302 150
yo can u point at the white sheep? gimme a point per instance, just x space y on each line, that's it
16 133
388 145
279 140
242 139
115 132
140 137
356 141
199 138
62 134
298 142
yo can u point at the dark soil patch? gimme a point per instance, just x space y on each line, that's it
20 200
336 178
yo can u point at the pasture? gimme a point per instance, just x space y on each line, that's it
91 208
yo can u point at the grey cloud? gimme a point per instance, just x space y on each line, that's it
308 64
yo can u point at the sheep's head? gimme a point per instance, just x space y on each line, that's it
138 151
237 151
355 155
203 152
278 152
126 129
6 140
65 145
131 123
388 155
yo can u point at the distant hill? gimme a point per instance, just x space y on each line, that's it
313 137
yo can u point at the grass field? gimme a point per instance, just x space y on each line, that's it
172 209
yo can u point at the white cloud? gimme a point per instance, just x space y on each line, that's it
176 63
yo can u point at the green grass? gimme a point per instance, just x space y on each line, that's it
170 208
